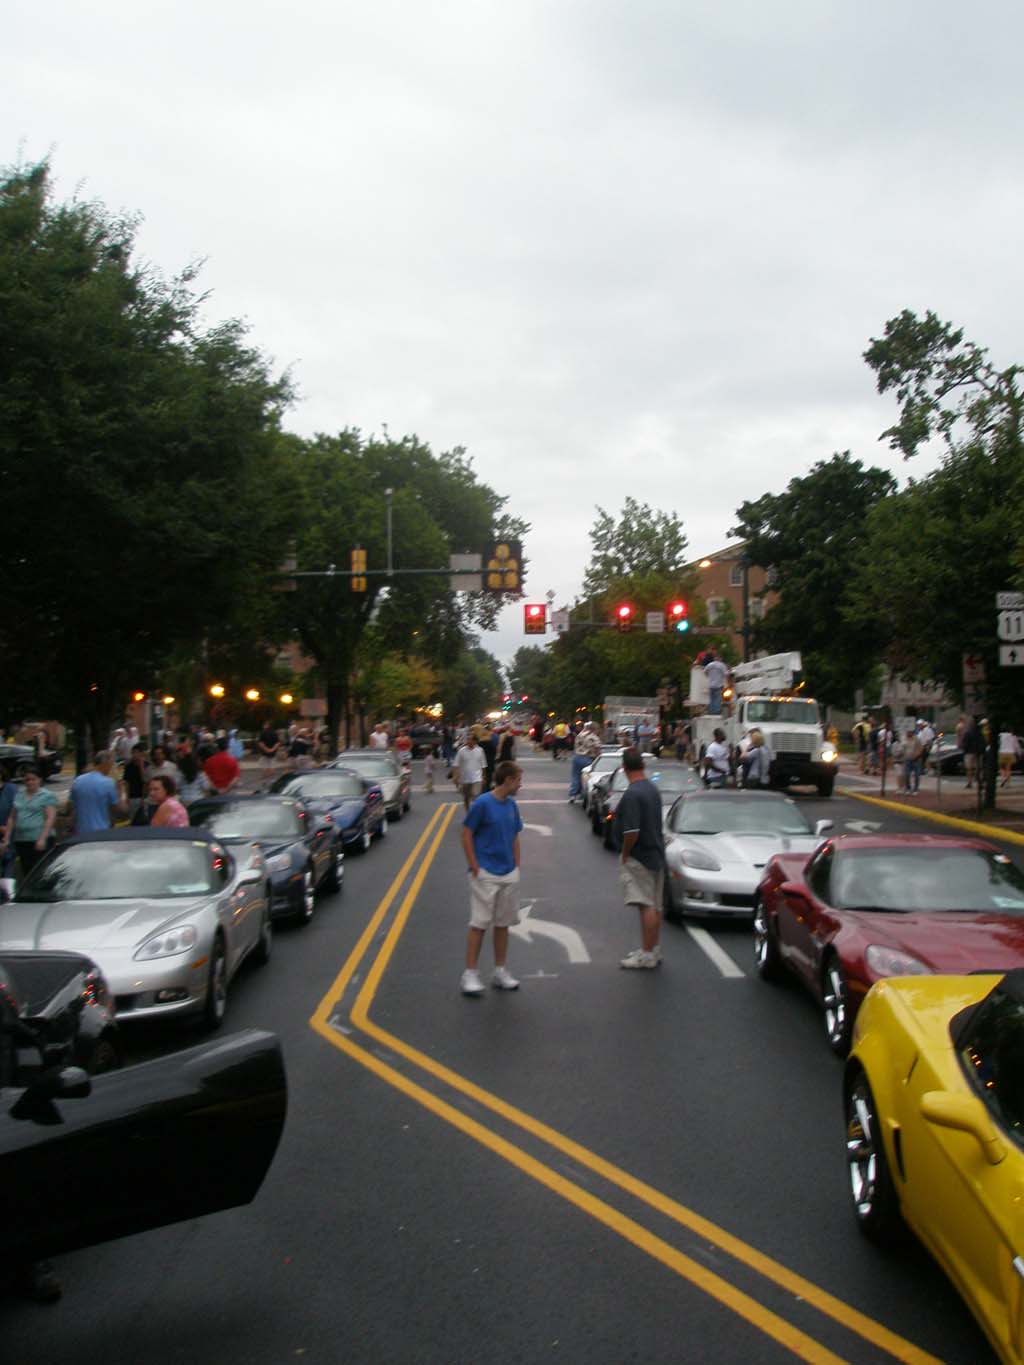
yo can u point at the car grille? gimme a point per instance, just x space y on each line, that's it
793 742
736 901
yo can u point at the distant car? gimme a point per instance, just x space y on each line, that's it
426 739
59 1012
87 1159
606 761
168 916
934 1104
865 907
671 779
386 770
718 843
300 850
355 803
16 759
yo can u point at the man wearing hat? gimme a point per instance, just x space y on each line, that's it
585 750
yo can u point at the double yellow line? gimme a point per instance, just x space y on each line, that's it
764 1319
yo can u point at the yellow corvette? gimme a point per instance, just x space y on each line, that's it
934 1094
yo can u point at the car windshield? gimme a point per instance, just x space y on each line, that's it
672 781
782 710
620 781
925 879
322 787
736 814
605 763
122 870
248 819
374 765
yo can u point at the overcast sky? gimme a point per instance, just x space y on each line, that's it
609 248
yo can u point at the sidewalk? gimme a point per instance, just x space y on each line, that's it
946 802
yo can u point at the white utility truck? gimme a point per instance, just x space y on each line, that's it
631 720
768 697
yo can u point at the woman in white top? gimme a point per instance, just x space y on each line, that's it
1009 752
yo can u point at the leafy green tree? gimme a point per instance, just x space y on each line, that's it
641 544
471 684
530 672
139 454
809 535
437 508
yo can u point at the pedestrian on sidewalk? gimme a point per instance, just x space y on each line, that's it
428 771
970 745
96 798
638 831
30 822
1009 752
490 841
221 770
166 809
469 769
913 756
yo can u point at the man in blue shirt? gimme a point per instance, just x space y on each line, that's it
95 796
490 841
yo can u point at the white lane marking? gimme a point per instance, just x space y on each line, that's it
863 826
538 829
714 951
570 940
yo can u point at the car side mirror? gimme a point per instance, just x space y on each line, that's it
965 1115
36 1102
823 826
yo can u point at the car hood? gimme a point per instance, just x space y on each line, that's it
267 847
948 942
90 926
746 850
344 809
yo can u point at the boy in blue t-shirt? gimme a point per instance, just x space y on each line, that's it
490 841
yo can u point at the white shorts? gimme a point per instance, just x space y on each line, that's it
640 886
494 900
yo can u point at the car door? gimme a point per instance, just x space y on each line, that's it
161 1142
799 916
319 843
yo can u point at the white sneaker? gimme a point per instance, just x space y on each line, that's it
471 983
503 980
639 959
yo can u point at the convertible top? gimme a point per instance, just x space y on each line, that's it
140 834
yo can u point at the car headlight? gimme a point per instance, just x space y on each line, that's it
168 944
696 857
828 755
892 962
280 862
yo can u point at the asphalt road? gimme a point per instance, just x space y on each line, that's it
605 1166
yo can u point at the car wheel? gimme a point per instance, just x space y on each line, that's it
876 1204
396 814
595 823
307 903
216 987
606 834
265 942
407 807
668 908
336 875
766 946
836 1001
366 841
826 784
383 829
105 1056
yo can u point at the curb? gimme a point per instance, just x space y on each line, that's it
957 822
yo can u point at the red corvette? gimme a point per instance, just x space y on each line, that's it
865 907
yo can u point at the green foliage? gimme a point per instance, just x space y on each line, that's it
640 546
471 684
139 454
530 674
809 535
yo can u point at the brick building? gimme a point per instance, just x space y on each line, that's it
720 579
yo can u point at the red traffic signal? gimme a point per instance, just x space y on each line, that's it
623 616
534 618
675 615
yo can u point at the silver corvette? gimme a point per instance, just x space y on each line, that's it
717 843
168 915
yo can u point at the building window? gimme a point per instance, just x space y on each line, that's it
735 575
715 606
771 576
756 608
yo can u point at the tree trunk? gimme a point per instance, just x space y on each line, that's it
336 706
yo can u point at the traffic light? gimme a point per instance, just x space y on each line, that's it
503 567
623 616
534 618
675 615
357 581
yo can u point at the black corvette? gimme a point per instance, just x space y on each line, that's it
58 1010
302 849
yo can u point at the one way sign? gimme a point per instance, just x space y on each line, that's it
1011 656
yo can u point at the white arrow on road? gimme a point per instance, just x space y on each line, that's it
570 940
538 829
863 826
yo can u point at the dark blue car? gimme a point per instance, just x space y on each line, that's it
354 803
301 849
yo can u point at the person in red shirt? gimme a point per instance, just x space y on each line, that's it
221 770
403 746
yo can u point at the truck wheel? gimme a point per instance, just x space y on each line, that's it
825 785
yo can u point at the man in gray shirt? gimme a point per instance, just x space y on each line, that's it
642 860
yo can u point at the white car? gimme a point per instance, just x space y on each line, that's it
718 842
606 761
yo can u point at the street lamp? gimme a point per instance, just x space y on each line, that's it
252 694
286 699
217 690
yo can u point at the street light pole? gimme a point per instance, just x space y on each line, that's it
745 563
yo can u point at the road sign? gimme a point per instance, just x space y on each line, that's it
560 621
1011 656
1009 601
655 622
974 668
1010 626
